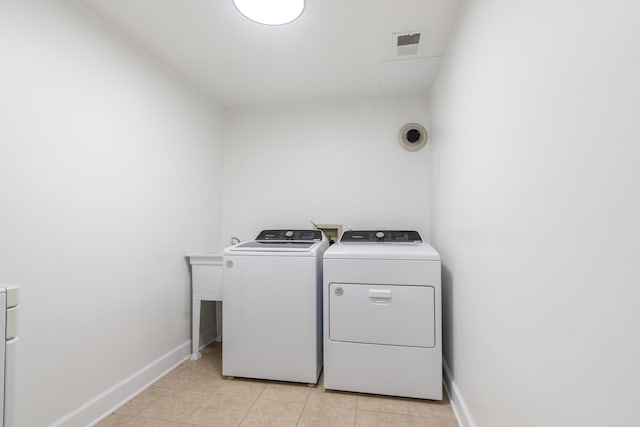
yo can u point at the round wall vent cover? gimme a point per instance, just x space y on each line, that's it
413 136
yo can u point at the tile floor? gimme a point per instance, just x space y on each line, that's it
195 394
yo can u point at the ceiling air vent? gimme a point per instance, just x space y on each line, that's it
406 43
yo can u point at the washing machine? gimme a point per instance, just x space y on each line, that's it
272 306
382 315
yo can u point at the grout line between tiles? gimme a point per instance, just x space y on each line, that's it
304 407
251 407
196 409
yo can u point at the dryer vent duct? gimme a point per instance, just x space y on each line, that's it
413 136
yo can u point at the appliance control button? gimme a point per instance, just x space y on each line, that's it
289 233
380 235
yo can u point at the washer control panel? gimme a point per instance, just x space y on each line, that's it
290 235
383 236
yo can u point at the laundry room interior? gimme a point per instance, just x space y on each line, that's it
136 133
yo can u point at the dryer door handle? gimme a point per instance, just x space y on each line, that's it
380 296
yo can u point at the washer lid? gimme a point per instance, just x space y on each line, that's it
301 241
274 246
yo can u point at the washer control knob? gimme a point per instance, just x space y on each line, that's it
380 235
289 234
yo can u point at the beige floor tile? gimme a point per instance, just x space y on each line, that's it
223 409
208 370
218 416
241 388
186 367
286 392
195 394
199 383
170 380
319 397
216 355
322 416
240 401
155 391
273 413
181 395
381 419
214 362
115 420
120 420
392 405
151 422
137 404
192 367
167 408
433 422
431 409
199 368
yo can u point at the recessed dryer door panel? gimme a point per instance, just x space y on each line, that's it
382 314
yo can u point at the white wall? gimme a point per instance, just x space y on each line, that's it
332 162
535 211
109 172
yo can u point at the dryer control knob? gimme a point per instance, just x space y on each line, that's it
380 235
289 234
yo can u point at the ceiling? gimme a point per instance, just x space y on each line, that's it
336 49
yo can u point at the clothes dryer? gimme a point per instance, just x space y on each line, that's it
272 306
382 315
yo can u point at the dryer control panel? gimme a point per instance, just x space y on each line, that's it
382 236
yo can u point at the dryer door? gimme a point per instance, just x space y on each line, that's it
382 314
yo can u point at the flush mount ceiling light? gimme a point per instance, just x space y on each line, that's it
270 12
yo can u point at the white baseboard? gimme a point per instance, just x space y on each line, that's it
458 404
106 402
